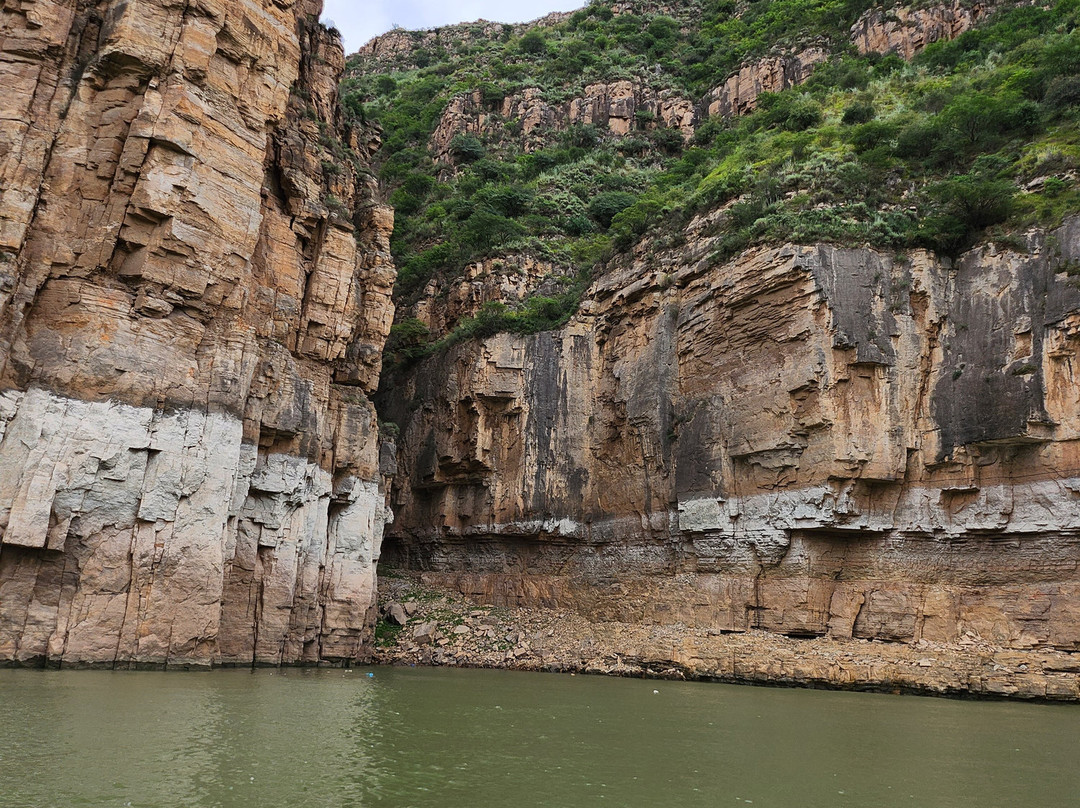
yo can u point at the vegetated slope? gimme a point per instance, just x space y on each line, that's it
562 144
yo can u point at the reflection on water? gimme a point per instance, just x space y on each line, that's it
449 738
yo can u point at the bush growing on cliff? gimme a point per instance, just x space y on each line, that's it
485 230
607 205
533 315
506 200
632 222
420 267
787 111
858 112
408 340
532 43
467 149
967 204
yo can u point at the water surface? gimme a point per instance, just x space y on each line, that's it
496 739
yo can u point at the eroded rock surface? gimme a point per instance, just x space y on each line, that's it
539 638
738 95
905 30
616 108
808 440
509 279
194 294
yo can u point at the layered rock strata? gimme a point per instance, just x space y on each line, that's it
738 95
808 440
509 279
195 293
618 108
442 628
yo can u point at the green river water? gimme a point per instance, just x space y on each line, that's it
474 739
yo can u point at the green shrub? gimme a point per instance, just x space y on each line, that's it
871 135
404 203
919 139
408 340
607 205
1053 186
490 170
508 200
466 148
976 200
534 164
418 269
578 225
669 141
632 222
788 111
534 314
858 112
485 230
385 85
1063 92
581 136
533 43
844 74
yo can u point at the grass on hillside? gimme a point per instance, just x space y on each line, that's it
976 134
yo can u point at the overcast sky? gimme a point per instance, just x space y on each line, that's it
360 20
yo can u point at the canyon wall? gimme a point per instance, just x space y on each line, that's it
194 292
809 440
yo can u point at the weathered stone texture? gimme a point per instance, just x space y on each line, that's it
617 108
738 95
195 292
810 440
509 279
905 31
400 49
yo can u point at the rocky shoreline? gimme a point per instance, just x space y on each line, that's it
442 628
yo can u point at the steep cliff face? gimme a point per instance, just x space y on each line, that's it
905 31
735 433
616 108
444 303
195 292
810 440
739 94
901 30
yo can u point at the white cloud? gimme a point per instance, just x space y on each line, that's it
359 22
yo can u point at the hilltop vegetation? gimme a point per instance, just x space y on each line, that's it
978 134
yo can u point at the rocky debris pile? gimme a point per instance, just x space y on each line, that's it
438 627
419 624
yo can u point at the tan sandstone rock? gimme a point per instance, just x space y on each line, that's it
905 31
